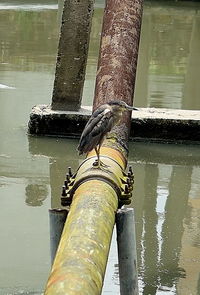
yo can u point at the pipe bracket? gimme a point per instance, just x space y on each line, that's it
116 177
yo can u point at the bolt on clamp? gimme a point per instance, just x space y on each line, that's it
122 184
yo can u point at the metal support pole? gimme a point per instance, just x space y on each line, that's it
57 218
72 54
117 64
126 241
119 51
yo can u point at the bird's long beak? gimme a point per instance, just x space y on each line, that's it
130 108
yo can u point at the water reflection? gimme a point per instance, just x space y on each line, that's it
166 222
191 86
175 211
29 5
33 43
61 154
168 62
149 267
36 194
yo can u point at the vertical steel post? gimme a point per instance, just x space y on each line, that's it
126 241
119 51
72 54
57 218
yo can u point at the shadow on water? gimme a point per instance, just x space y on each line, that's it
150 240
62 154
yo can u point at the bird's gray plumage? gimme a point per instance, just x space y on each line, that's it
99 124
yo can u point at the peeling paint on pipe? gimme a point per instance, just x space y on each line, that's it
81 258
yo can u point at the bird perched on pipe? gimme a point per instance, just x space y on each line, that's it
100 123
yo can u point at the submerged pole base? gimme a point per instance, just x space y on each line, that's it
57 218
126 241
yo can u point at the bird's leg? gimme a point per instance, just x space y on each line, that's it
97 150
99 163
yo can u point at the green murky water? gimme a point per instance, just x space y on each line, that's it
167 184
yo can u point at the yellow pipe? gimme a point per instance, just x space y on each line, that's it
82 254
112 153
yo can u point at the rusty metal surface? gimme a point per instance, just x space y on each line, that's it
118 57
119 51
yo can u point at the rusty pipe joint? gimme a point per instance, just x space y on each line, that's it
112 173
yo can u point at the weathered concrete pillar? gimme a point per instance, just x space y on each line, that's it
72 54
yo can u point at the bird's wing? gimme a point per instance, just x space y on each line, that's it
93 121
103 125
98 125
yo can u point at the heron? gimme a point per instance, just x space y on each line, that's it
100 123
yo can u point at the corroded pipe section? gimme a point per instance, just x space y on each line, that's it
119 51
118 60
81 258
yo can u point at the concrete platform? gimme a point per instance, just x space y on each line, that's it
148 124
